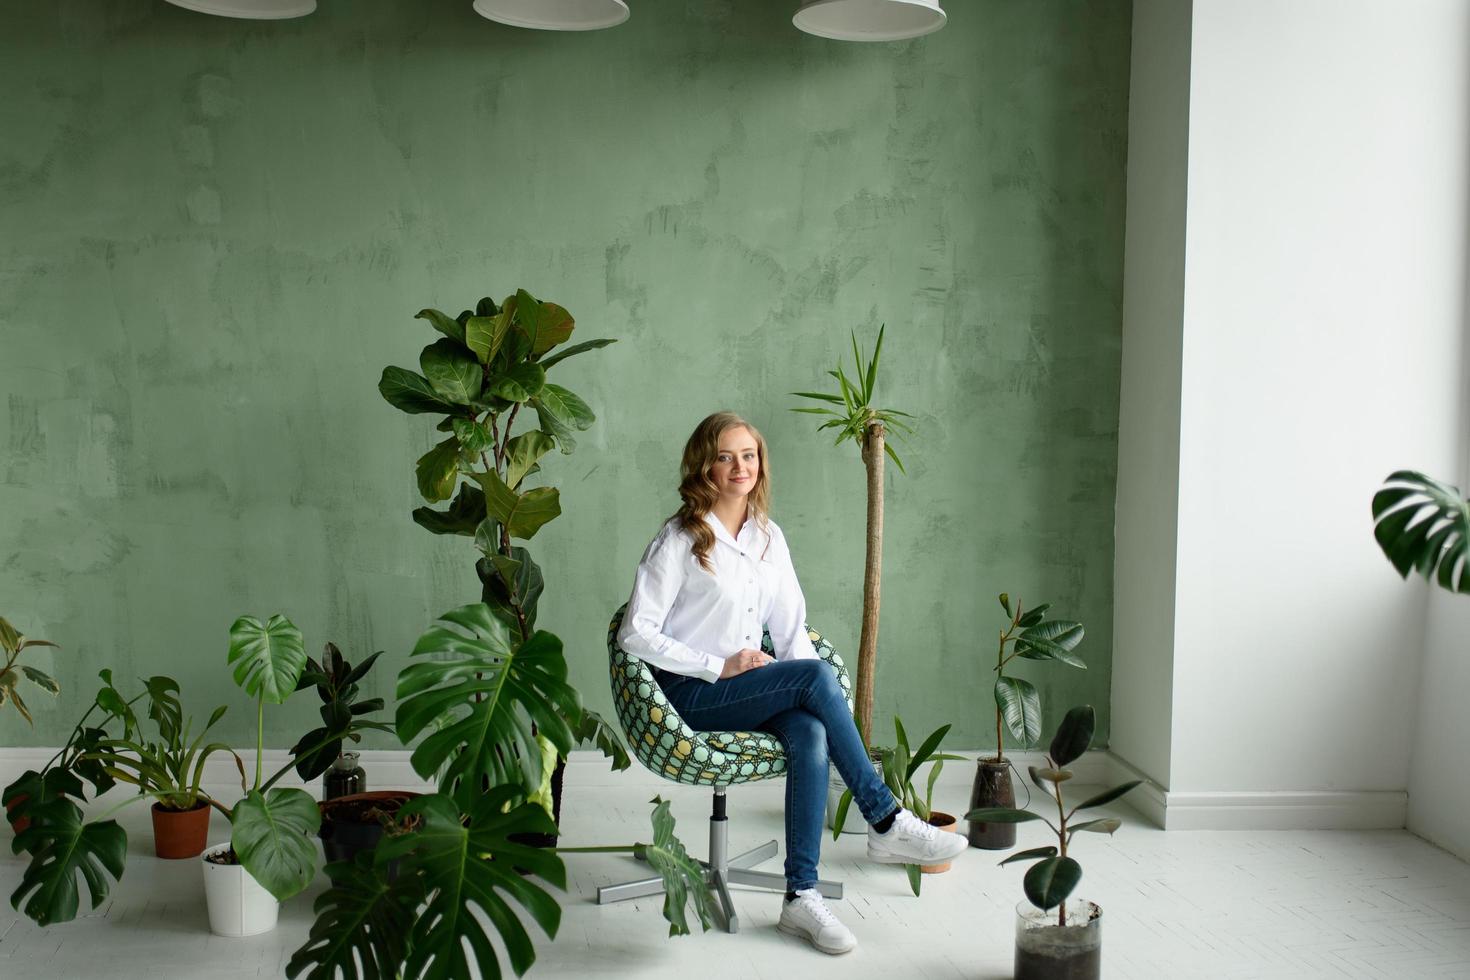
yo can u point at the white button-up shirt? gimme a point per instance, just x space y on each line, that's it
687 621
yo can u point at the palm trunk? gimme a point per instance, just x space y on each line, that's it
872 573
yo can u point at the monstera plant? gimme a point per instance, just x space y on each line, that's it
481 700
1423 526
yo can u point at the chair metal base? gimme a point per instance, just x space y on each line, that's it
719 872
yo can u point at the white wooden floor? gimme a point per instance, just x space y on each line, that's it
1178 905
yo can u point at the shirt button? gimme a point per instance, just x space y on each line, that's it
747 636
742 554
750 609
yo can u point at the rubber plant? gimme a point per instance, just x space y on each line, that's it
12 643
1029 636
1423 526
852 414
335 680
1056 872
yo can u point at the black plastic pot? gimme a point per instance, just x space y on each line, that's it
343 837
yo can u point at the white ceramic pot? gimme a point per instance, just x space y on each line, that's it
238 905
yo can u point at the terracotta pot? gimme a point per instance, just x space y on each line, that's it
992 788
940 820
180 833
20 823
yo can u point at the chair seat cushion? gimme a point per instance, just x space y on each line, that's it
665 743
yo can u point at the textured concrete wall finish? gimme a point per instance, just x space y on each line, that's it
214 234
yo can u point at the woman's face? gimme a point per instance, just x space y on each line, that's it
737 463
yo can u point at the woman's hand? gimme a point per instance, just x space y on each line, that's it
743 661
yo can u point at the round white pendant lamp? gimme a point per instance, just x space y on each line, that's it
555 15
869 20
250 9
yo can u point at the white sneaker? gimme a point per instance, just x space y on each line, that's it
807 917
914 841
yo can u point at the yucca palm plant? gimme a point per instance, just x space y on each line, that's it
852 415
1423 526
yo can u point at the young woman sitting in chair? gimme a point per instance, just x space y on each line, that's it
717 574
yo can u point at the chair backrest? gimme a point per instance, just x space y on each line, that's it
665 743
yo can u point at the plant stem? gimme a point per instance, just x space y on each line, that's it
610 849
259 737
872 453
1056 789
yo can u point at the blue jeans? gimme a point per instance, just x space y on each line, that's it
800 702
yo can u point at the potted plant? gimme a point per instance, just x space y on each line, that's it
899 764
270 856
353 819
490 366
852 414
168 770
1018 707
1065 944
409 905
12 671
269 850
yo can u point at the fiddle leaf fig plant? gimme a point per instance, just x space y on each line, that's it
1030 636
1056 873
490 366
851 413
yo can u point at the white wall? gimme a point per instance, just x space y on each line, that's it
1148 424
1325 253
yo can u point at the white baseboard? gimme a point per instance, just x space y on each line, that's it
1171 810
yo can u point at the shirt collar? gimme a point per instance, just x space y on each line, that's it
721 531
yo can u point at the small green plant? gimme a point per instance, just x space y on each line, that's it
900 765
852 414
11 644
335 681
169 768
1031 637
1055 874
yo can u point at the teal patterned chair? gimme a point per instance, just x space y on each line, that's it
663 742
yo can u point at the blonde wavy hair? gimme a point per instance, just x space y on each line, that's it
698 491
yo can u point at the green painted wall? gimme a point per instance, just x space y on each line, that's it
214 234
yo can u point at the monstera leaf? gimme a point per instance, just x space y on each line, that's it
473 868
272 835
499 695
1422 525
592 727
683 876
268 658
62 848
362 924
